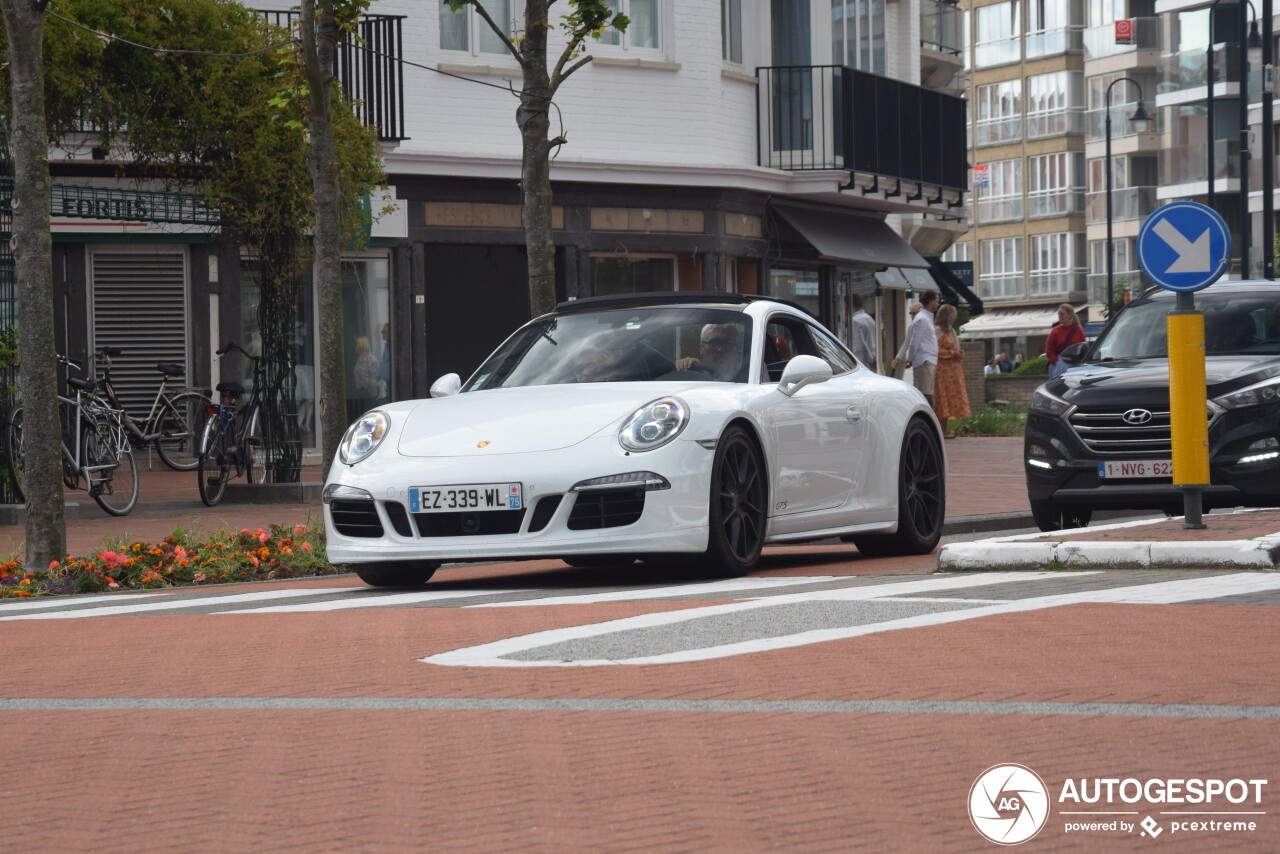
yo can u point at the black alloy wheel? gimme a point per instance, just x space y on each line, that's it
922 497
401 573
737 513
213 466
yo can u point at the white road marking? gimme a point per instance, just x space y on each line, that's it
494 654
372 600
59 602
108 610
730 585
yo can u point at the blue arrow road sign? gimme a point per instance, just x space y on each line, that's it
1184 246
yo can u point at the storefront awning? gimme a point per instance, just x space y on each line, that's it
1011 322
850 238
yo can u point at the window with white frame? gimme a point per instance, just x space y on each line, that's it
1055 104
1055 184
1001 199
999 109
1104 13
999 30
1124 270
467 32
1000 275
1057 264
961 250
857 34
731 31
645 30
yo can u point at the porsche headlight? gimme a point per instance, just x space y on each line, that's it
363 437
1267 391
1046 403
654 424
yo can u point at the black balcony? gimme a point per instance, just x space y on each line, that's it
370 70
830 117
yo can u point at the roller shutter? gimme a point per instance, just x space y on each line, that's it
140 305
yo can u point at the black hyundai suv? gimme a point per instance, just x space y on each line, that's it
1098 436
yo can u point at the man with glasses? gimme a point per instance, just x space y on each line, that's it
719 353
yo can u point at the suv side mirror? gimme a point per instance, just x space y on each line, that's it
447 386
1074 354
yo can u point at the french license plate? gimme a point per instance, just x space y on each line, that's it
1119 469
468 497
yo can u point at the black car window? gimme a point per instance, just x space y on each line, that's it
1235 323
785 337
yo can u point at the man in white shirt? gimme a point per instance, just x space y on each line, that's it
922 346
862 331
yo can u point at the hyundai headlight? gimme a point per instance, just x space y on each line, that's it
363 437
1047 404
1267 391
654 424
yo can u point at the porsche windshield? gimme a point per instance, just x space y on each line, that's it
626 345
1236 322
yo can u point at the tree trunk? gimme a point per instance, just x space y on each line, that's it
46 533
318 45
534 120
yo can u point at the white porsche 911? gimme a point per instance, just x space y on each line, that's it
641 427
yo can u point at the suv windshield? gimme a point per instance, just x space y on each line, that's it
1236 322
626 345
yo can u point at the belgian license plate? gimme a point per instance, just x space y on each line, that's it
468 497
1118 469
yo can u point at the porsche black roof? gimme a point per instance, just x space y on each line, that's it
665 298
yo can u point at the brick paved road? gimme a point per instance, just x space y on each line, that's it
317 725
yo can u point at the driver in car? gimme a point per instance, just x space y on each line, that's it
719 353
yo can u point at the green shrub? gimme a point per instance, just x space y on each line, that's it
991 421
1037 367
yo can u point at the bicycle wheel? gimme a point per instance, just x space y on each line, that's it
110 470
213 465
255 450
179 423
14 448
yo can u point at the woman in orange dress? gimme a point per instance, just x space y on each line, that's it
950 399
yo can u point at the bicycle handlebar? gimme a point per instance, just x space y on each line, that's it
233 346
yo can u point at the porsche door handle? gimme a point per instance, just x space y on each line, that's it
853 413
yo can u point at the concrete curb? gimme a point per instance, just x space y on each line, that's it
237 493
1262 553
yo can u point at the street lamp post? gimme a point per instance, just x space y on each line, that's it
1140 122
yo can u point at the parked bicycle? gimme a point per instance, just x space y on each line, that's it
232 438
175 421
95 446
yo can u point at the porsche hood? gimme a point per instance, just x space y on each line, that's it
519 420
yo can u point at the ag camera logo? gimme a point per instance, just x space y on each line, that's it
1008 804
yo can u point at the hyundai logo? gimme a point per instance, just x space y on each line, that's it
1136 416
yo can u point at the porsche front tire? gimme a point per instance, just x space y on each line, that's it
397 573
736 509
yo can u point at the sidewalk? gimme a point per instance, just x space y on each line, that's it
986 492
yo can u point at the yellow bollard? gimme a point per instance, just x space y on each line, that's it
1187 407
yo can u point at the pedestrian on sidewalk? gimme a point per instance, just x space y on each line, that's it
950 397
1065 332
921 347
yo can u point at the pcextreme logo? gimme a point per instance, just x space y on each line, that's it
1008 804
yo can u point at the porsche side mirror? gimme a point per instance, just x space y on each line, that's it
802 371
1074 354
447 386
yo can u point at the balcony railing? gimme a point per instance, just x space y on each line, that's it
1127 204
1055 202
1189 69
1101 41
994 133
831 117
999 209
1011 286
370 69
941 26
1188 164
1255 171
1054 42
1040 125
1003 52
1096 121
1057 283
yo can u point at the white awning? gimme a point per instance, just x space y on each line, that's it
1010 322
